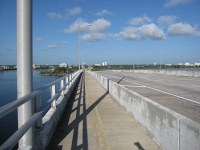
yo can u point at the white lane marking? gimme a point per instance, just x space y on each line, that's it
124 79
186 99
133 85
196 86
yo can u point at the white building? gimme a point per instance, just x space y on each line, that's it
97 64
63 65
187 64
34 66
104 64
168 64
197 64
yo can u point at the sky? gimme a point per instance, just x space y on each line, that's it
113 31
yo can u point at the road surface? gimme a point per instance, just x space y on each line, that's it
181 94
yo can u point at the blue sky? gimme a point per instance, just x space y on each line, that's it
115 31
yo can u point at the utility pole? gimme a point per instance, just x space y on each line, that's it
79 48
160 60
79 45
24 67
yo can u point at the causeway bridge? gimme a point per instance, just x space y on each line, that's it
81 115
89 110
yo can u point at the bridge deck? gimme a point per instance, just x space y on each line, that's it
93 120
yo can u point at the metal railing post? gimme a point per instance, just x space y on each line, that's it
69 79
61 87
24 67
67 82
38 124
53 93
37 106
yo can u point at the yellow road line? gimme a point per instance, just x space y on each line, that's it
102 129
98 125
94 123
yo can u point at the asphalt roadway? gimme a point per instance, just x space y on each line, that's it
181 94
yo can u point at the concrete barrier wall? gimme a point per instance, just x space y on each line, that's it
168 72
189 135
170 129
52 117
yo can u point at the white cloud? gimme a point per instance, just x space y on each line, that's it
38 39
92 37
69 12
51 46
95 26
65 42
54 15
75 11
152 31
93 31
166 20
100 25
183 29
130 33
79 24
172 3
145 31
140 20
103 13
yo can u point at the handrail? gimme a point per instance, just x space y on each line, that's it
6 109
65 83
46 108
12 141
53 98
54 82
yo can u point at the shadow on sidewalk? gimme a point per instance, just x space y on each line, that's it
65 127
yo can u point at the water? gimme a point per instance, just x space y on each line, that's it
8 93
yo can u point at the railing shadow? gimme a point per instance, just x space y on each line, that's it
139 146
65 127
120 79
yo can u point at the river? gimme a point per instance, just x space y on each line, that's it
8 93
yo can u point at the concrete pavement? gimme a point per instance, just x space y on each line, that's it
93 120
181 94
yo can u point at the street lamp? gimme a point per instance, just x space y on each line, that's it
79 66
79 48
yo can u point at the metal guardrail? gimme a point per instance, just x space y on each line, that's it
36 120
8 108
12 141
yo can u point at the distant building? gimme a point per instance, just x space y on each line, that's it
97 64
104 64
3 68
63 65
187 64
197 64
168 64
180 64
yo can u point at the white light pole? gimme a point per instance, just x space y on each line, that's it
24 67
79 66
160 60
79 48
82 59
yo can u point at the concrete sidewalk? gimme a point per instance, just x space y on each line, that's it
93 120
